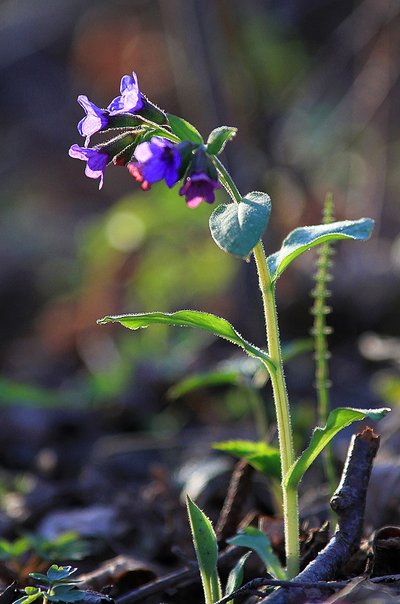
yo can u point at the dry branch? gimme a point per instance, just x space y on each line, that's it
238 491
176 580
349 504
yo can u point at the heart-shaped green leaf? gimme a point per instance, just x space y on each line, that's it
337 420
304 238
218 138
237 227
191 318
205 544
184 130
261 456
258 541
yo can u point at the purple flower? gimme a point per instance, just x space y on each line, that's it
96 160
197 188
95 118
159 159
130 99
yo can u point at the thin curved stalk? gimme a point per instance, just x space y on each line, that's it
290 496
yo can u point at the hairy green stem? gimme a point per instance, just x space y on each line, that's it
227 181
290 496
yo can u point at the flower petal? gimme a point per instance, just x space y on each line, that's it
95 118
143 152
158 159
130 99
96 160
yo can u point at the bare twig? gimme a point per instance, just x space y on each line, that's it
251 586
238 491
177 579
349 504
9 594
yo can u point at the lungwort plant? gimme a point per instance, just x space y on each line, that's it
156 146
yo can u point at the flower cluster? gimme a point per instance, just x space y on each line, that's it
147 144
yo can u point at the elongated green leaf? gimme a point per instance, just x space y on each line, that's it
203 380
237 227
237 371
304 238
235 578
258 541
218 138
258 454
190 318
205 544
184 130
291 350
337 420
24 394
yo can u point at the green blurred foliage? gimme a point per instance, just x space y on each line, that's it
175 259
315 102
386 384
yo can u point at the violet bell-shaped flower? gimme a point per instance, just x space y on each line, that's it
201 180
198 188
158 159
130 99
95 120
96 161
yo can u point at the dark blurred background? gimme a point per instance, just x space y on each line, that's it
314 88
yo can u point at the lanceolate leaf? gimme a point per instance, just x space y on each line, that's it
184 130
191 318
261 456
235 578
337 420
237 227
304 238
205 544
204 380
258 541
218 138
237 371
